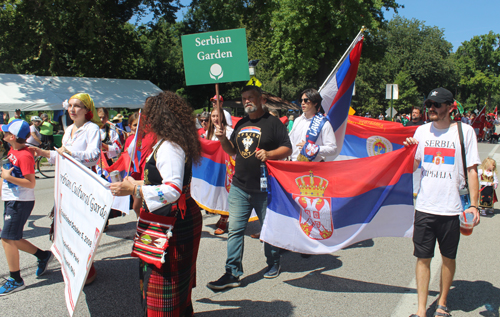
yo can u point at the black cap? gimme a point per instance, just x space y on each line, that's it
18 110
441 95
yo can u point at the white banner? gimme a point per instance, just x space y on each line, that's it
82 204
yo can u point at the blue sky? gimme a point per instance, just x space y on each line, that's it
461 20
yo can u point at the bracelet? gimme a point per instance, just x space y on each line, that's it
475 207
138 191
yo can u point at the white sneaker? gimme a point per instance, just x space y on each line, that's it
483 212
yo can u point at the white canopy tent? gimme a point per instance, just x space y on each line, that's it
30 92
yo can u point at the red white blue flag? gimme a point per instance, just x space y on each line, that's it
321 207
366 137
337 90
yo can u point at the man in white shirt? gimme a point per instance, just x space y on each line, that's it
318 138
439 204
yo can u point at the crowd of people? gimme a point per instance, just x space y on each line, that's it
160 187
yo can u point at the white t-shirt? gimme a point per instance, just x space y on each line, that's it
326 139
229 131
31 140
442 173
487 178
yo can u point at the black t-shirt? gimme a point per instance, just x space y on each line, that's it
266 133
411 123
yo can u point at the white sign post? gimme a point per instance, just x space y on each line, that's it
82 204
391 92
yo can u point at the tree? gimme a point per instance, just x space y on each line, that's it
478 65
73 37
408 53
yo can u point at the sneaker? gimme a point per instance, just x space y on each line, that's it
273 271
483 212
227 280
490 211
43 264
11 286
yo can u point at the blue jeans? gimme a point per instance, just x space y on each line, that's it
241 204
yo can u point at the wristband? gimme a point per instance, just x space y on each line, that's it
475 207
138 191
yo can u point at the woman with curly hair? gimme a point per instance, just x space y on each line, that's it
166 291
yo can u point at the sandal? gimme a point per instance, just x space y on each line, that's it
446 311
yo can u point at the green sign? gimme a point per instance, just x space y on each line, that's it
215 57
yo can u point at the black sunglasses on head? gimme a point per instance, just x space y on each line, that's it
436 105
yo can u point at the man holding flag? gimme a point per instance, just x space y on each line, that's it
312 136
438 202
256 138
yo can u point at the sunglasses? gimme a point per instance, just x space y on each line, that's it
429 104
203 120
305 100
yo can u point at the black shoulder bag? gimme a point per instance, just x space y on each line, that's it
464 192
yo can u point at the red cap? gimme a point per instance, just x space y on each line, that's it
215 98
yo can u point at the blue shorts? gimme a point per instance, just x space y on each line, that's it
15 215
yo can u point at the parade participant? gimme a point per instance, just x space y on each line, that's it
166 291
81 140
275 113
226 114
416 117
133 119
18 115
438 202
47 130
488 183
18 194
204 120
34 138
312 135
213 120
111 146
256 138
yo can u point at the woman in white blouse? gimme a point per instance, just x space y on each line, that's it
81 140
165 192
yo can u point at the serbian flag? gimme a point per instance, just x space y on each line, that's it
312 210
212 179
369 137
337 90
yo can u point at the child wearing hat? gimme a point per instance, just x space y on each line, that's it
18 194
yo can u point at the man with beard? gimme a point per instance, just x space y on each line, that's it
416 117
439 204
256 138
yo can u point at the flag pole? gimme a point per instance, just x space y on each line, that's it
363 29
478 115
135 143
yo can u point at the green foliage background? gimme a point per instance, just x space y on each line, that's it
298 43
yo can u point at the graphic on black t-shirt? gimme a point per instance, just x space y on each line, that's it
248 140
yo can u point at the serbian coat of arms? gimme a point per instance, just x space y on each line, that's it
315 210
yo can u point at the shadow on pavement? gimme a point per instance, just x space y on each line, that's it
122 230
35 231
322 282
115 291
248 308
468 296
363 244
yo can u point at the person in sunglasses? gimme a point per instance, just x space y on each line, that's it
312 136
439 202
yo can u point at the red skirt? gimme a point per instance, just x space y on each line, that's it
166 292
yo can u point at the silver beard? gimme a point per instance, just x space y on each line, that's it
251 109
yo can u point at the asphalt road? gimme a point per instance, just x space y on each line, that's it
372 278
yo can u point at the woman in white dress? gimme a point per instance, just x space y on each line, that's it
81 140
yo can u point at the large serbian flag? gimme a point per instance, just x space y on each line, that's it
369 137
337 90
319 208
212 178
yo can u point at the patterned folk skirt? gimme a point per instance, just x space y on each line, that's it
487 197
166 292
